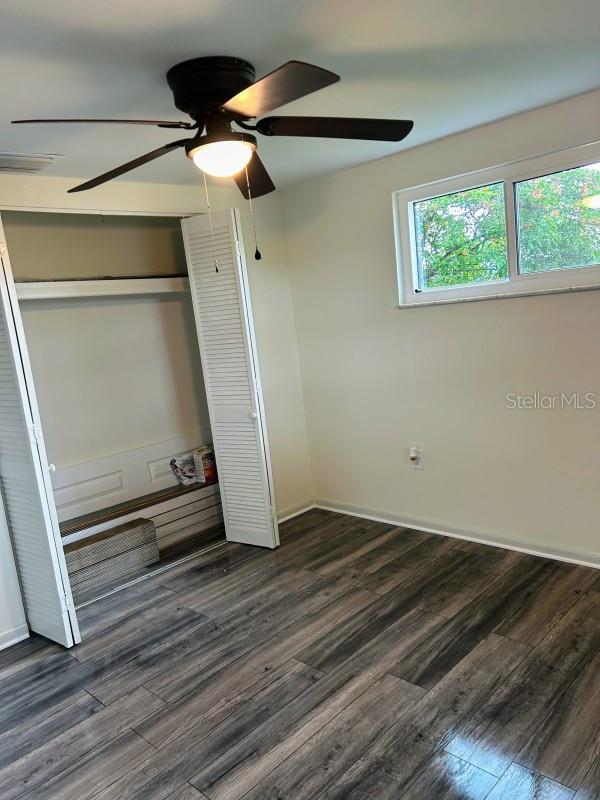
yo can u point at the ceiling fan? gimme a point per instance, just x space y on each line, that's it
218 92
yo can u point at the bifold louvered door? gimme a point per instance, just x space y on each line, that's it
219 288
25 483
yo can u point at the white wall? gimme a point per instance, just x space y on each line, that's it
114 376
378 379
271 298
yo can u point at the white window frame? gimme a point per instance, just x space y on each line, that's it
517 284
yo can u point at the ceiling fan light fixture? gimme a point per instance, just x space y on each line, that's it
218 91
223 156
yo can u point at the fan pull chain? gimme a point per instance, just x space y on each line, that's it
257 253
210 220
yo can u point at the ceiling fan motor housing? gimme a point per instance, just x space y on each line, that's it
200 86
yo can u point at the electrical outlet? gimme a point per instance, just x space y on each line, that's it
416 457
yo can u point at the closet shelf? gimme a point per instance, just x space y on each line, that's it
54 290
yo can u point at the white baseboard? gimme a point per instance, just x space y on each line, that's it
581 559
13 636
294 511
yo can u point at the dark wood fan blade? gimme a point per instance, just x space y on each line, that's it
258 177
157 122
137 162
289 82
383 130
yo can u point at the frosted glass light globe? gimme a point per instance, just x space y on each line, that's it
223 159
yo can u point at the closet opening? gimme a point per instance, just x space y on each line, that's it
113 346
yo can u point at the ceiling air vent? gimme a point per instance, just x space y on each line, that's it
26 163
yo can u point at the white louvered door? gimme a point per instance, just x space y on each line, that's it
229 362
25 483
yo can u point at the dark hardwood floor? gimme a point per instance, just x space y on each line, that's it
357 661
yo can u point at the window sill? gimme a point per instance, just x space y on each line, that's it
592 287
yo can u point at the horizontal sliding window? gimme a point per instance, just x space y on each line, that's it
524 228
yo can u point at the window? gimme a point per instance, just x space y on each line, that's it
461 238
559 227
519 229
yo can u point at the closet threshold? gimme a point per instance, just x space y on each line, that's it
103 287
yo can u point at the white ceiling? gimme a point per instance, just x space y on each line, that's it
447 64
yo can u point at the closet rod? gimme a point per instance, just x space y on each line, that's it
54 290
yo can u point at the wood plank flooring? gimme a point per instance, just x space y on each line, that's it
357 661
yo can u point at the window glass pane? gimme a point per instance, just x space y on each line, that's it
461 238
559 220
